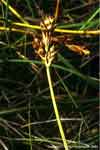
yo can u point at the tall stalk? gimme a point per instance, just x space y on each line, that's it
47 52
55 108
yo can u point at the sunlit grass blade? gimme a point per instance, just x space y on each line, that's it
79 32
14 11
90 19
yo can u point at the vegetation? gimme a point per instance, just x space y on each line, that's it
51 106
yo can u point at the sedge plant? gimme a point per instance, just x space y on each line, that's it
46 49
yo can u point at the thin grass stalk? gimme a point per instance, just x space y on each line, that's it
29 127
36 27
14 12
56 109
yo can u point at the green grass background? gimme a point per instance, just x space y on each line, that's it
24 93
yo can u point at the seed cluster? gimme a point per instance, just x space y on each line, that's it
44 46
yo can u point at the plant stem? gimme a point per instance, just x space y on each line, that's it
56 109
36 27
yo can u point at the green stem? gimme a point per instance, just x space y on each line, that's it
56 109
